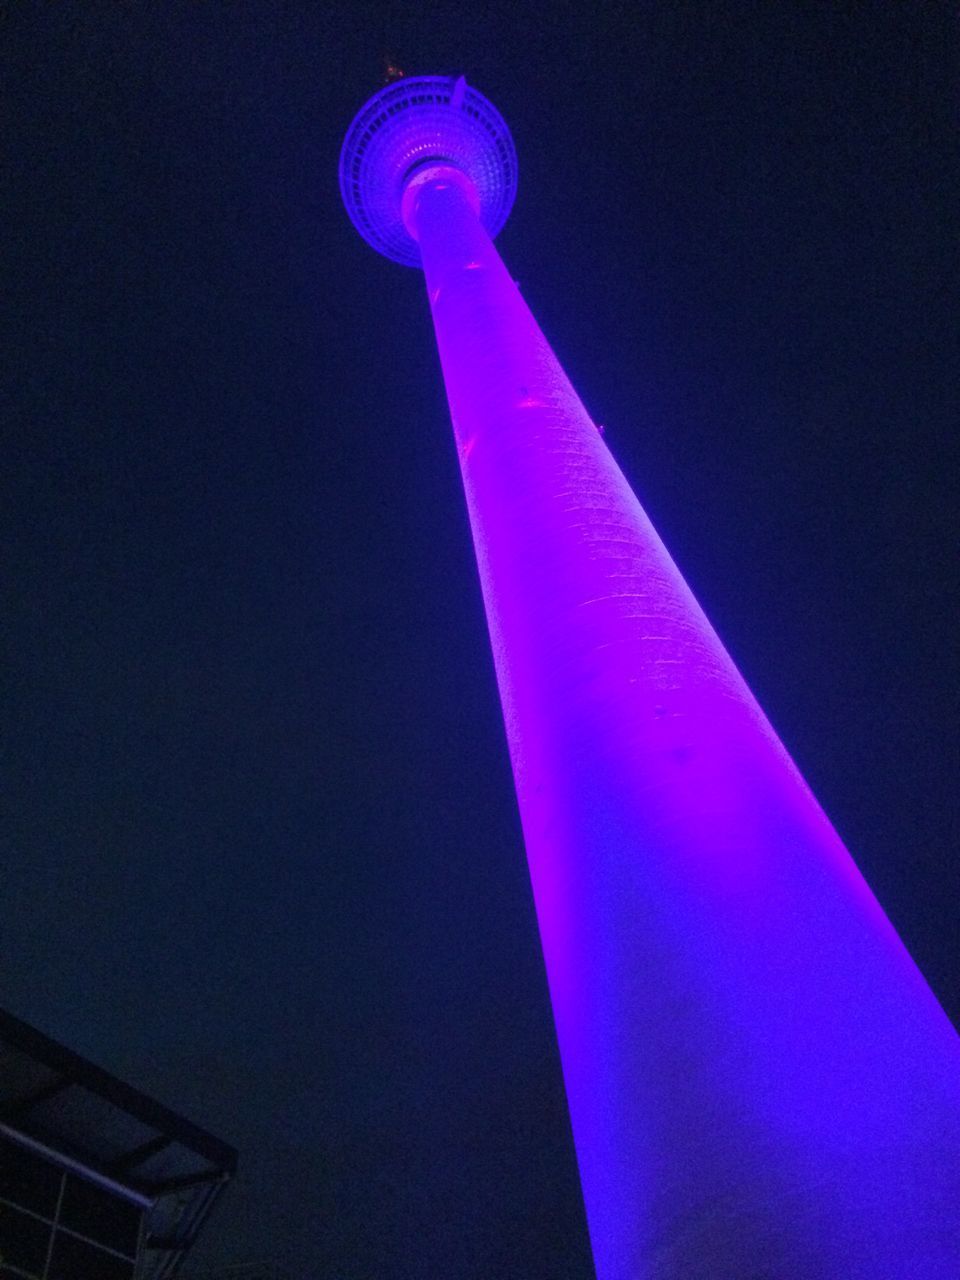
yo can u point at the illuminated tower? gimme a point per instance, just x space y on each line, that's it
760 1083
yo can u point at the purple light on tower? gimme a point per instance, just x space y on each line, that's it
760 1082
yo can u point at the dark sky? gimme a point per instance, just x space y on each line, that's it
260 849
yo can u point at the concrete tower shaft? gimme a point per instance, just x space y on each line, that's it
760 1082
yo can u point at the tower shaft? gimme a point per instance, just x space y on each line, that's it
760 1082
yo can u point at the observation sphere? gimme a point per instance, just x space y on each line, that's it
414 122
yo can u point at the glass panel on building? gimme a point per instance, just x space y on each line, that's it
75 1259
93 1212
27 1179
24 1241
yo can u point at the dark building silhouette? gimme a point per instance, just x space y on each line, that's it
97 1181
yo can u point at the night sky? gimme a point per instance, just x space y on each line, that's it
261 854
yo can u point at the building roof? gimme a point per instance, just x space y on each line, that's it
77 1114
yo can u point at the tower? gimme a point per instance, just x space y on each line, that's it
760 1083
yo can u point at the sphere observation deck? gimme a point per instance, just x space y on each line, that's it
416 122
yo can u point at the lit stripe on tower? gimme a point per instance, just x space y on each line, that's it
760 1082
